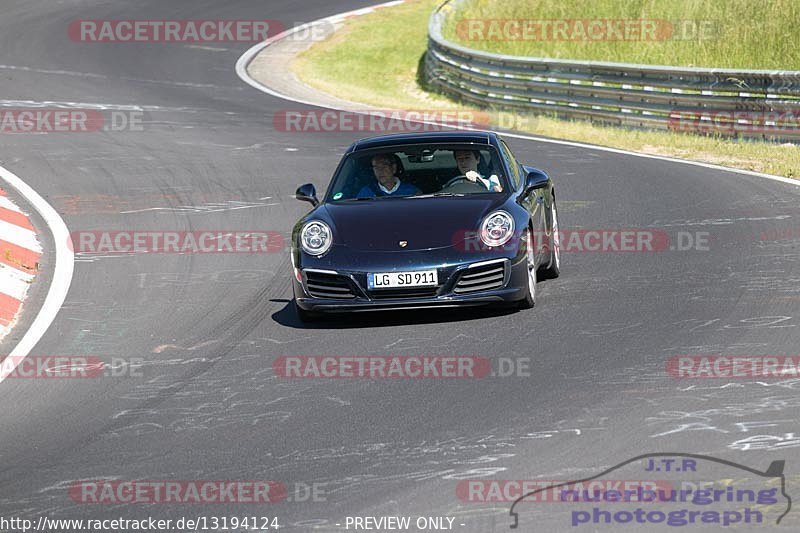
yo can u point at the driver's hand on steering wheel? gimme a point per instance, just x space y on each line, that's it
472 176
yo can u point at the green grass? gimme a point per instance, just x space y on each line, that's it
370 61
374 60
749 34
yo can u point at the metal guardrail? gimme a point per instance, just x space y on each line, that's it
739 103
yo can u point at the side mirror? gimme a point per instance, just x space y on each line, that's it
307 193
536 180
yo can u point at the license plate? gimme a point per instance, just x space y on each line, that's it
394 280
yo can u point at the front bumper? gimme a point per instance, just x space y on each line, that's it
460 285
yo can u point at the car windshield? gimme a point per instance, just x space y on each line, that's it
419 171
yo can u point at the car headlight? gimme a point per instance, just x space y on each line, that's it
497 229
316 238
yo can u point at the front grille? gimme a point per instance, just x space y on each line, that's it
323 285
482 278
419 292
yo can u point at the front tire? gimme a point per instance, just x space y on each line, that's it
553 269
530 264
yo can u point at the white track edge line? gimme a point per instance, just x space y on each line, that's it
244 61
62 272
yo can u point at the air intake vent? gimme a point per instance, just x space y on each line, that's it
322 285
419 292
482 278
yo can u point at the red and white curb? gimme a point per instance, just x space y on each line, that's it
20 252
19 260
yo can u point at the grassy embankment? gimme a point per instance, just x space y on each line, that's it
375 60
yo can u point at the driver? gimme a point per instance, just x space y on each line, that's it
467 161
385 167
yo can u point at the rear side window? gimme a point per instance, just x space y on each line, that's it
516 173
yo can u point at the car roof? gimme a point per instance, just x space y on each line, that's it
476 137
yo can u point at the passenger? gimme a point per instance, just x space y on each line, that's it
386 167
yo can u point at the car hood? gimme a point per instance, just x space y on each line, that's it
424 223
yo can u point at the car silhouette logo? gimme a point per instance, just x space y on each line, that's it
403 244
774 473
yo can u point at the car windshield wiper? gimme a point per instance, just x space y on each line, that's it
365 198
438 194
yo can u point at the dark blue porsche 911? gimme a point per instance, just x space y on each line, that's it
425 220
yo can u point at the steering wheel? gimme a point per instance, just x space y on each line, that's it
455 180
464 185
